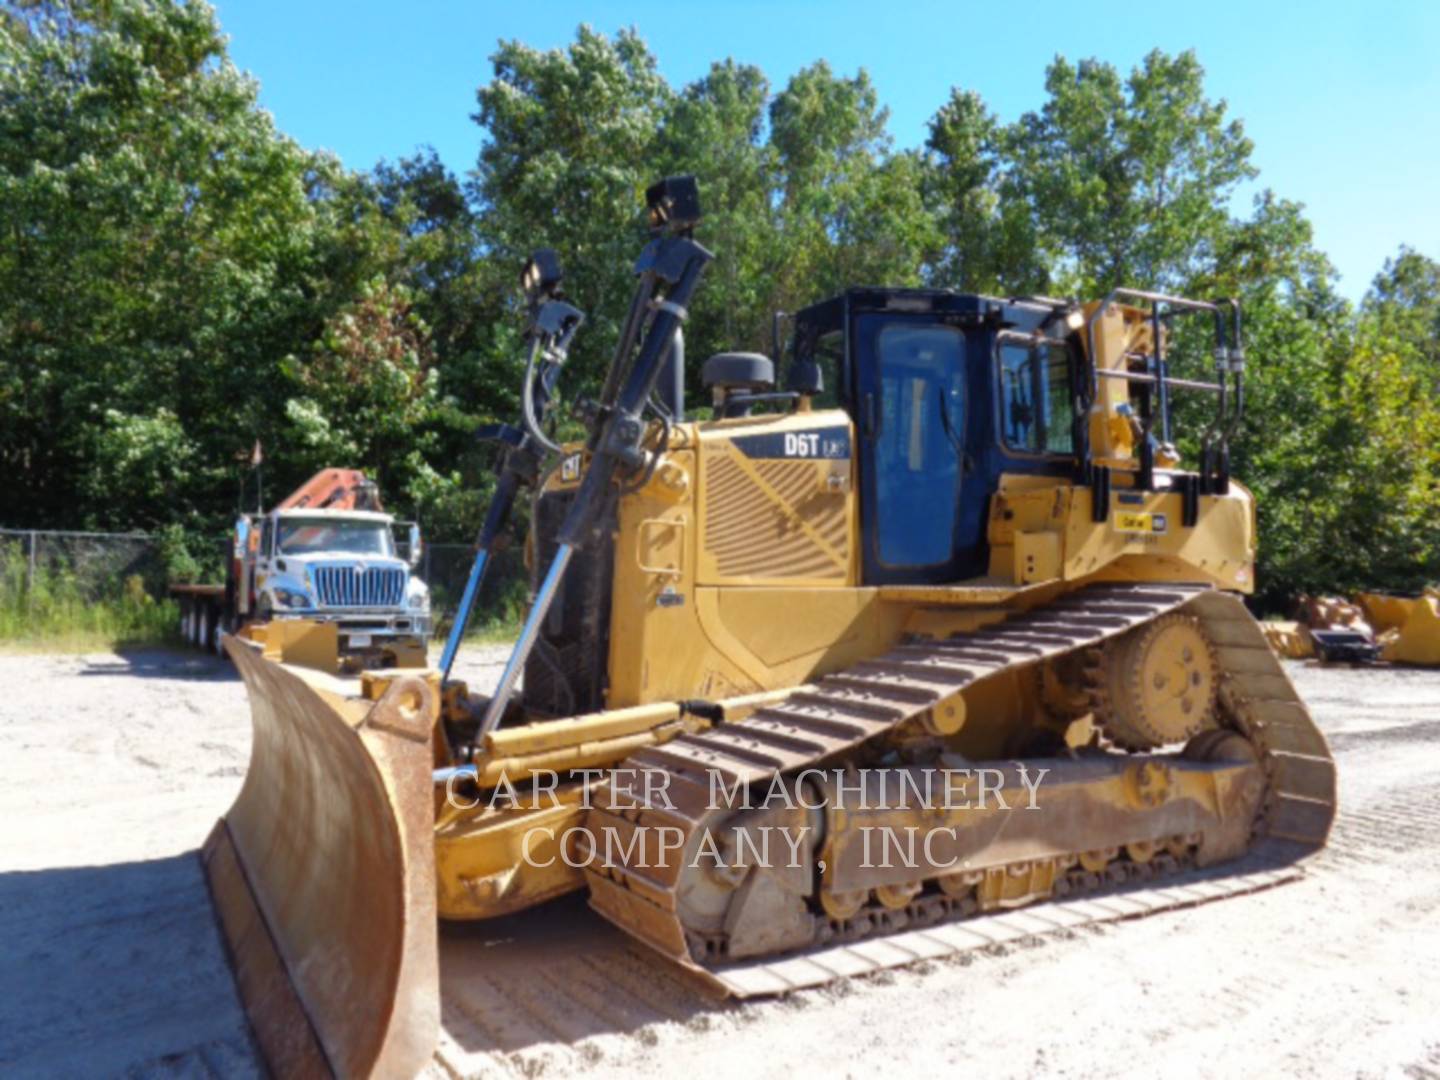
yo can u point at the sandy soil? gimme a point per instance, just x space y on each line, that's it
113 768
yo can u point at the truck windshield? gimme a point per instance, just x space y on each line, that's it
309 537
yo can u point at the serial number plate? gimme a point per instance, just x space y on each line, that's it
359 641
1132 522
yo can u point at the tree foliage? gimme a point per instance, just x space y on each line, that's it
1129 180
178 278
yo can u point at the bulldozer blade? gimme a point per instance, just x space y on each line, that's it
323 875
1409 626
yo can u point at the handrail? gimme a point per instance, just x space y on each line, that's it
1229 360
1169 380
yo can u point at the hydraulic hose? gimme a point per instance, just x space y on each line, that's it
527 401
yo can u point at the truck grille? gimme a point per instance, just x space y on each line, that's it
346 586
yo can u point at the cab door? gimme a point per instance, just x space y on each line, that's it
911 404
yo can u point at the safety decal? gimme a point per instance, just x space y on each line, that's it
1130 522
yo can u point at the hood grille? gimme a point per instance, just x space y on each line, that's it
344 585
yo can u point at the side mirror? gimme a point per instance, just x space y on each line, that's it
242 537
414 545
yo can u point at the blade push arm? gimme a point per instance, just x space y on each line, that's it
675 261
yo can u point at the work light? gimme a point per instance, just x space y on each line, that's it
542 274
674 204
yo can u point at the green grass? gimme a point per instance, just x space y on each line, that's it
496 630
501 630
53 614
496 618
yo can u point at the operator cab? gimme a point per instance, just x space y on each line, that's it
947 392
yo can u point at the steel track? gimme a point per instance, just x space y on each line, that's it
846 710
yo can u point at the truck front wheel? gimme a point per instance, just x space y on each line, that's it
218 630
189 617
209 627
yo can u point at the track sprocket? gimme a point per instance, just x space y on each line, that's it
1156 685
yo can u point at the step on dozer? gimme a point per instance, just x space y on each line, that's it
933 630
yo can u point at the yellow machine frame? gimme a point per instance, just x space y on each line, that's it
736 581
734 578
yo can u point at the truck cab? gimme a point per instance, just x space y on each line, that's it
339 566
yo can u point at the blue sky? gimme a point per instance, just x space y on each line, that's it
1342 100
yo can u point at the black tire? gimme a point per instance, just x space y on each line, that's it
218 631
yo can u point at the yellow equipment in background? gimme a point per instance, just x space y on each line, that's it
1408 626
1329 628
960 541
1289 639
1376 626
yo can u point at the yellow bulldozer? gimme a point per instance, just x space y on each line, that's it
933 626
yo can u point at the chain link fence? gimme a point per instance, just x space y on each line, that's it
446 568
82 586
96 565
40 567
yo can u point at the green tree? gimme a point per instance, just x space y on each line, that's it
160 260
1404 304
990 236
426 247
850 211
566 160
170 254
803 194
366 391
177 278
1129 180
714 128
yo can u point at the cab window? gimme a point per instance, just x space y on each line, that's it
830 355
1037 411
312 536
918 444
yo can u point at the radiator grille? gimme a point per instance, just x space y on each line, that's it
787 528
345 585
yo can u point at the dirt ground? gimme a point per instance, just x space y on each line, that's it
114 767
